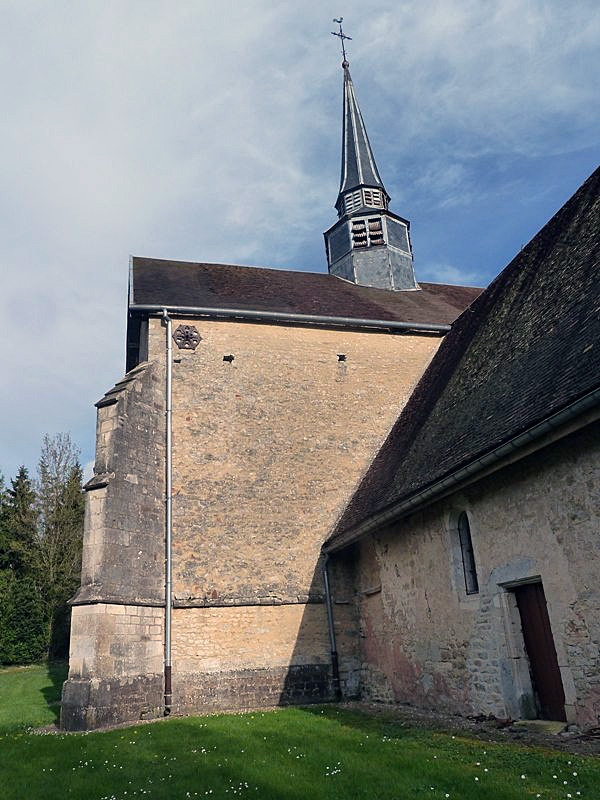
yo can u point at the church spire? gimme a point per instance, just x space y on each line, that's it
369 245
358 162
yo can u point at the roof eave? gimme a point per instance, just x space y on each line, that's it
572 417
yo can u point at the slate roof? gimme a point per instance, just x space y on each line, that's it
526 348
180 283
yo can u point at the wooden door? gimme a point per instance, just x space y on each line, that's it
539 644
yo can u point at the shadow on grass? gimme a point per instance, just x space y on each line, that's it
57 673
284 755
383 723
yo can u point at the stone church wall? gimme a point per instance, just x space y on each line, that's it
250 656
426 642
273 427
267 448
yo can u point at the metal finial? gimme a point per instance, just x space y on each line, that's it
341 36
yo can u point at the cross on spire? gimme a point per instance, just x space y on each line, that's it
341 36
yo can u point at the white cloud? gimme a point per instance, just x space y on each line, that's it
211 132
448 273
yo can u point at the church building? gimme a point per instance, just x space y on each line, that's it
473 542
314 485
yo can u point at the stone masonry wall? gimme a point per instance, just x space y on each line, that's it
123 547
250 656
109 644
115 664
267 449
424 641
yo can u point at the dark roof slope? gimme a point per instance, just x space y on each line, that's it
527 347
180 283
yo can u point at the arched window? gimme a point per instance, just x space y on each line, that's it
468 558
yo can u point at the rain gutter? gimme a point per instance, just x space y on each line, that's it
466 474
281 316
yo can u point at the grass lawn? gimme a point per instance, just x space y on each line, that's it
290 754
30 696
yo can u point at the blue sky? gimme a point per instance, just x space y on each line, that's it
211 132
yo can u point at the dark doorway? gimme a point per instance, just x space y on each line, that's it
539 644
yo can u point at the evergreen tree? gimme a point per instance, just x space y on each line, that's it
19 525
4 545
22 622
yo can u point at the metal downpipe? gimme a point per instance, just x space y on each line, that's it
335 667
168 698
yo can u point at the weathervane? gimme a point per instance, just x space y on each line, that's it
341 36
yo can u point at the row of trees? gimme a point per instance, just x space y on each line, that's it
41 531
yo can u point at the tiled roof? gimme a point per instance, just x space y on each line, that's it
215 286
525 349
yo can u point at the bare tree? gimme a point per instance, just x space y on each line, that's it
60 532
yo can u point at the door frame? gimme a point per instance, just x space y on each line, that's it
525 702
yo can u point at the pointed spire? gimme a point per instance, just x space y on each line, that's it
358 162
368 245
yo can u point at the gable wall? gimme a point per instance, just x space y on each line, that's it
266 451
424 641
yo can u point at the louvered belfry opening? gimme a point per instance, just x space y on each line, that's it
375 231
367 232
359 233
360 198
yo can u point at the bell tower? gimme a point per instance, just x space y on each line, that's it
368 245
